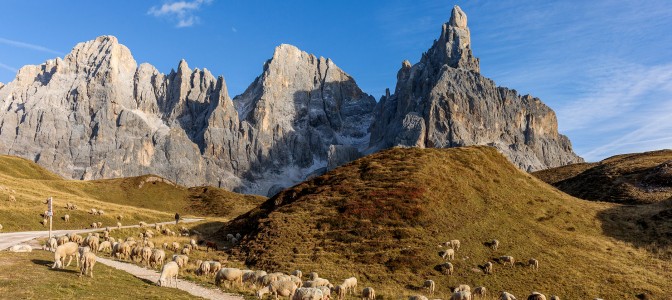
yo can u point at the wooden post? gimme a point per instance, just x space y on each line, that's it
51 215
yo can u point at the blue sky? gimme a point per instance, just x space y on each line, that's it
605 67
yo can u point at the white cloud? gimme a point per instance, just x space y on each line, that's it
183 12
8 68
28 46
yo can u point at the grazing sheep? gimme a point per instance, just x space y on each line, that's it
44 222
462 288
297 273
209 244
87 261
168 272
175 246
430 286
93 242
446 268
204 268
62 240
257 277
82 250
448 254
313 276
63 251
93 211
146 255
461 295
350 285
77 238
481 292
506 296
230 275
339 291
181 260
99 224
368 293
94 225
105 246
455 244
185 251
417 297
118 225
66 218
142 224
507 260
51 244
492 244
308 294
20 248
215 266
534 264
101 212
536 296
157 258
488 267
278 288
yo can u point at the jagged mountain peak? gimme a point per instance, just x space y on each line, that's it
453 48
458 18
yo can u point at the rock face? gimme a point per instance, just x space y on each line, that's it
443 101
97 114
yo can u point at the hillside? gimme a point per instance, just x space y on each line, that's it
382 218
24 186
638 178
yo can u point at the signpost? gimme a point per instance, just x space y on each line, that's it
50 213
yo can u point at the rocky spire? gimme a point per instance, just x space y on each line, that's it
453 48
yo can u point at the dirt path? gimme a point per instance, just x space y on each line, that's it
153 276
12 238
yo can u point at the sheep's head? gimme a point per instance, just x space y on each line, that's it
161 282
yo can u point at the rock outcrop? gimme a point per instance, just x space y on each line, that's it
443 101
97 114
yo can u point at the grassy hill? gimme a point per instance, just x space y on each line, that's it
383 218
24 186
638 178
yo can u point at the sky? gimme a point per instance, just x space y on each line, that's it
604 66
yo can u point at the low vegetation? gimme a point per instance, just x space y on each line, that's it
24 187
383 219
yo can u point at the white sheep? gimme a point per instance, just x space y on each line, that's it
62 240
455 244
430 286
462 288
76 238
447 268
20 248
185 251
87 261
297 273
101 212
313 276
94 225
181 260
461 295
118 225
339 291
536 296
142 224
506 296
93 211
63 251
534 264
105 246
350 284
66 218
168 272
230 275
488 267
204 268
44 222
368 293
157 258
278 288
175 246
215 266
481 292
507 260
146 254
93 242
51 244
494 244
326 292
448 254
307 294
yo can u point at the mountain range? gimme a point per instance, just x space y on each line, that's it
96 114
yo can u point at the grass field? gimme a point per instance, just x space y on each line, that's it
24 186
29 276
382 218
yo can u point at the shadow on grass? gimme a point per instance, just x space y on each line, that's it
47 263
647 226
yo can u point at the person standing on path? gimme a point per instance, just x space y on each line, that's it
177 218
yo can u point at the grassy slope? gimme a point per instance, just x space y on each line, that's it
154 201
628 178
28 276
382 217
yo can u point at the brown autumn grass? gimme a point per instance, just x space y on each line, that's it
639 178
382 218
135 198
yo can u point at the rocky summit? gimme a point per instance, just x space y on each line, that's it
443 101
97 114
